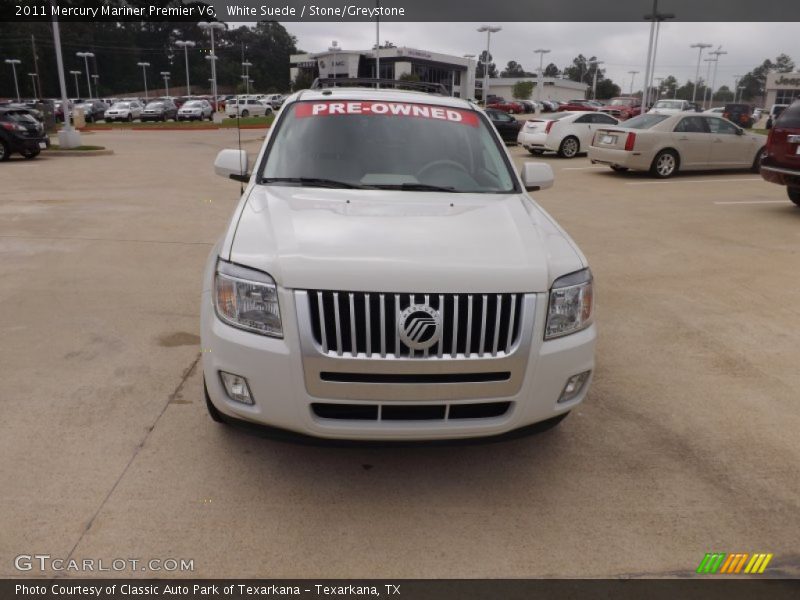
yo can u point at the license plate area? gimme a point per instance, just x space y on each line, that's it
42 145
609 139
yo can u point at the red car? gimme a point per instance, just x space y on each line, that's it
781 160
512 108
623 108
577 105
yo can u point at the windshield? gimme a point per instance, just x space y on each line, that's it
387 145
121 105
154 105
18 117
193 104
668 104
644 121
621 102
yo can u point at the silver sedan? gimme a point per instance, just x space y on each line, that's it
666 144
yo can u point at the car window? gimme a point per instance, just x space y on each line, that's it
388 145
721 126
583 119
790 117
603 119
691 125
644 121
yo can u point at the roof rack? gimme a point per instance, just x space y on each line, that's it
398 84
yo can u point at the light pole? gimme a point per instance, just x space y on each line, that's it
68 137
697 72
633 75
660 81
469 58
33 84
656 18
334 47
540 82
95 78
247 64
594 79
14 62
489 31
186 45
210 27
165 75
717 53
77 87
708 78
86 56
144 66
736 80
740 89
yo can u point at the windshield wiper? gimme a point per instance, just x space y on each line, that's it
313 182
415 187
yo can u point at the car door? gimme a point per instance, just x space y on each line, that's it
583 128
692 140
729 149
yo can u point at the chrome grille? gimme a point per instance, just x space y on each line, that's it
366 324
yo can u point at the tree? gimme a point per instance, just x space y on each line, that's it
303 81
783 64
552 71
607 89
669 86
513 69
483 60
522 90
723 94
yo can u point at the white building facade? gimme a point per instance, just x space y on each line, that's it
553 88
782 88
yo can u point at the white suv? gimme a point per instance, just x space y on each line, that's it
386 276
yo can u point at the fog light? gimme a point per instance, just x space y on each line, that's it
236 387
574 386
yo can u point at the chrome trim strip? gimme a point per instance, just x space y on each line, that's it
511 324
368 318
779 170
497 323
482 343
469 325
338 323
322 323
441 313
383 326
353 348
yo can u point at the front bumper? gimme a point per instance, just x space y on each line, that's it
278 374
18 143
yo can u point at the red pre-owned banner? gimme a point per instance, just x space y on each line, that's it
389 109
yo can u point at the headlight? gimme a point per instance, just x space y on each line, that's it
247 299
570 308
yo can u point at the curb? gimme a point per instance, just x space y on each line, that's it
105 152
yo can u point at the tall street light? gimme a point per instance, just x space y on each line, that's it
708 79
655 18
246 64
14 62
86 56
210 27
334 47
594 79
717 53
701 47
165 75
736 80
489 31
469 58
540 82
77 87
144 66
33 84
186 45
95 78
633 75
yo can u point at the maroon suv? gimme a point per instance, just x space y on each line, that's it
781 161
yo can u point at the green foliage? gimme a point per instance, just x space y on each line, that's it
409 77
522 90
513 69
303 81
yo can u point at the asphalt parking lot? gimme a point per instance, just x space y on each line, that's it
688 442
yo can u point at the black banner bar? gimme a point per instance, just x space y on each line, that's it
731 588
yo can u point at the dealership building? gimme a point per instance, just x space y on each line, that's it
456 73
782 88
553 88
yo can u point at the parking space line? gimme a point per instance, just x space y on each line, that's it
582 168
694 181
752 202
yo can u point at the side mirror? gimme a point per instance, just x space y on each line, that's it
232 164
537 176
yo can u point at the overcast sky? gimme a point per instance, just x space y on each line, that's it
623 46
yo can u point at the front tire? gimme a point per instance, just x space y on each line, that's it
793 193
215 415
569 148
245 114
665 164
756 166
4 152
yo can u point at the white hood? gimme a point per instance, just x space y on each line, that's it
313 238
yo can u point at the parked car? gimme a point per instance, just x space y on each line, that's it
670 107
128 110
718 110
567 133
21 133
387 276
666 144
58 110
550 105
757 114
623 107
507 126
160 110
781 161
247 107
528 106
196 110
509 106
93 110
774 113
740 114
576 105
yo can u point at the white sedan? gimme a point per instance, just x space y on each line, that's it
670 107
196 109
567 133
247 107
666 144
